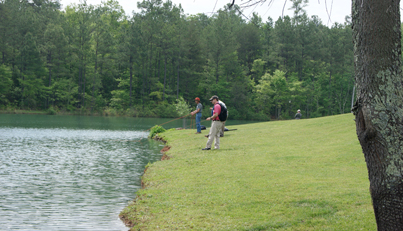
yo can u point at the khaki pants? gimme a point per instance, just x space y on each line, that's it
214 134
222 129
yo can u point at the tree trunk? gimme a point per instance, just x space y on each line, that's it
165 77
95 75
143 84
80 79
131 79
216 71
329 108
177 81
23 84
149 71
83 98
50 67
50 74
378 108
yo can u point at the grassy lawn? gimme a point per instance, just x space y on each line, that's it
287 175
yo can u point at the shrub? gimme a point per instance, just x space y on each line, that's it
182 107
155 130
110 111
51 111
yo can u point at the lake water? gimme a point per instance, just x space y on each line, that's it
72 172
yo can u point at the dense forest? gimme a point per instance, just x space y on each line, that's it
97 59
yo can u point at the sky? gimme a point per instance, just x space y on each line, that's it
337 10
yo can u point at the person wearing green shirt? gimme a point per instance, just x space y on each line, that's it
198 113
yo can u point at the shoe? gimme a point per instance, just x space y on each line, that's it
206 136
206 148
198 133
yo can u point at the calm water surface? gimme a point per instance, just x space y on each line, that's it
69 172
72 172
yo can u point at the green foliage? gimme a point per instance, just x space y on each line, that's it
155 130
182 107
120 99
5 84
94 58
51 111
166 110
258 69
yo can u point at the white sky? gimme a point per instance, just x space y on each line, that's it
337 9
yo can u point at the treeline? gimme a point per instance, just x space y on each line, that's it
96 59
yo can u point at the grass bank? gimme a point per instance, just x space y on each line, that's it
285 175
20 111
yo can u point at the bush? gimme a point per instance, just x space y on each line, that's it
109 111
155 130
182 107
51 111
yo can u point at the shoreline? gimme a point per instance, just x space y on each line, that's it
75 113
264 177
125 219
47 112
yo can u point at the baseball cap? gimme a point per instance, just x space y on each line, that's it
213 97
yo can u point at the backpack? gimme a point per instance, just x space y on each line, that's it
224 113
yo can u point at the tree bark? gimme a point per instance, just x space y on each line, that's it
165 77
177 80
83 97
131 79
50 74
329 108
143 84
50 67
95 75
79 80
378 109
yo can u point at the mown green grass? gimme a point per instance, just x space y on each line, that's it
286 175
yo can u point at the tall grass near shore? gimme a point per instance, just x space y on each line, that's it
286 175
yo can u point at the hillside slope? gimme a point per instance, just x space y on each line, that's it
285 175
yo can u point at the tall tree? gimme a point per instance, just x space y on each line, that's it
379 105
5 21
94 54
80 18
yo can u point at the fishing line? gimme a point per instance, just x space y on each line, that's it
170 121
214 8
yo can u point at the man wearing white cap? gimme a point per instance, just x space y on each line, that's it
298 115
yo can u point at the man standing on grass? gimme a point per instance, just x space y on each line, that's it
198 113
298 115
216 125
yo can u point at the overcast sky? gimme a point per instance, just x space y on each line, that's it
337 9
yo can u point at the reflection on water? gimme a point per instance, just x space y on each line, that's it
69 178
